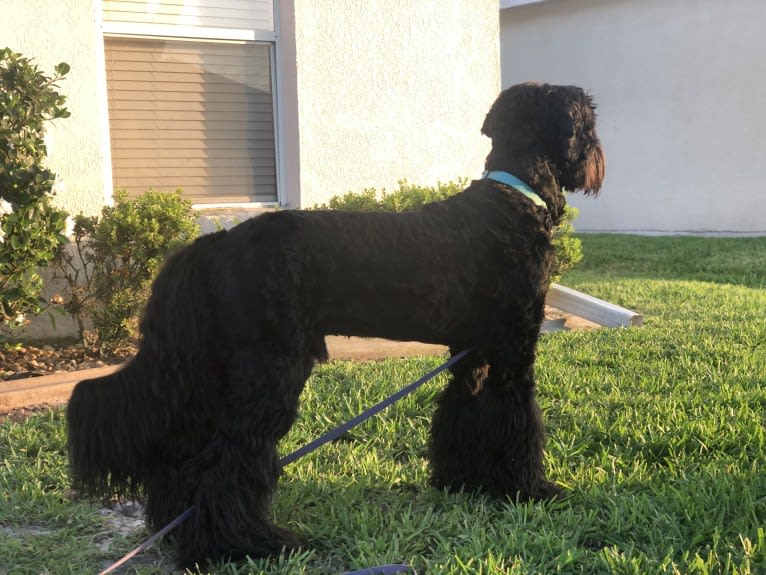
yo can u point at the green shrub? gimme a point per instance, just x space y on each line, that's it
568 247
365 201
406 197
410 197
115 258
30 227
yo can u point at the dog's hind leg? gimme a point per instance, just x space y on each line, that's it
487 432
231 483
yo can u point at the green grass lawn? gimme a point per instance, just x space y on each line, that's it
657 432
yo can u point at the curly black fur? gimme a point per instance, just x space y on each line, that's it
237 320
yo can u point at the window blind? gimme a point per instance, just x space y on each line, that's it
198 116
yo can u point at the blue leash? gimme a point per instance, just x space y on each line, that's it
367 414
305 450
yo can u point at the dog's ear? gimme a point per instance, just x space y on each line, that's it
582 162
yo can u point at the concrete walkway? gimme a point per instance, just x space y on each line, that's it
56 388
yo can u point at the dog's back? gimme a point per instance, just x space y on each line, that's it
437 274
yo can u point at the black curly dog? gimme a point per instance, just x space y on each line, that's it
237 320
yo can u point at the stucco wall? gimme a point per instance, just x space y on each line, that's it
66 31
392 89
681 87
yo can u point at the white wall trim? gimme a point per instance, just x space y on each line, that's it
286 102
277 108
513 3
106 143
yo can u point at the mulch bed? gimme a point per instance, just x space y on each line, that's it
27 360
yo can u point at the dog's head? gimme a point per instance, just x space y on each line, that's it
530 122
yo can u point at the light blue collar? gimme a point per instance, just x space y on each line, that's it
516 184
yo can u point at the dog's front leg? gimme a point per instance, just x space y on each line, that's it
487 433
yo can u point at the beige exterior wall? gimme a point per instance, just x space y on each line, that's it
391 89
367 94
66 31
681 88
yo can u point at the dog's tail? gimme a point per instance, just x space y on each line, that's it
121 424
109 430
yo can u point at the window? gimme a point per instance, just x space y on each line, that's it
191 99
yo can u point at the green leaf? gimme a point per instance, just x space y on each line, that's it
62 69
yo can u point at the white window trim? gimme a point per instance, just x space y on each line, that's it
191 32
234 205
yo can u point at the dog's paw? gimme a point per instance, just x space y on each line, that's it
285 539
544 491
270 542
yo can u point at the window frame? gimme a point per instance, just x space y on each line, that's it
202 34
